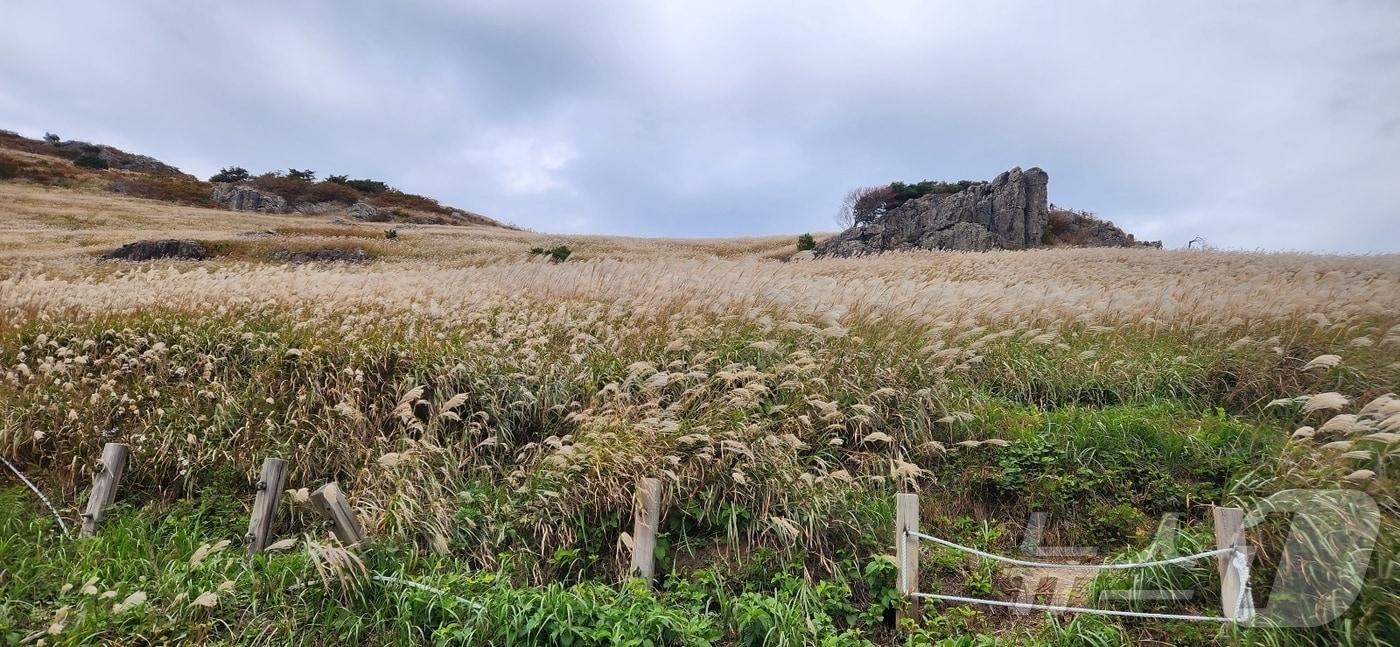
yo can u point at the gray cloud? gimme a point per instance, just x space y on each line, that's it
1255 124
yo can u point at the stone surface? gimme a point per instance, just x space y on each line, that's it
241 197
317 208
1009 212
145 250
365 212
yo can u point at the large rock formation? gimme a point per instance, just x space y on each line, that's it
241 197
1009 212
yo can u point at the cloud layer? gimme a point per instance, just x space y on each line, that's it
1254 124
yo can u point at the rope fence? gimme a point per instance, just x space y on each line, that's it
1232 561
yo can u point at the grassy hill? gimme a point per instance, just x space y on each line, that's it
489 413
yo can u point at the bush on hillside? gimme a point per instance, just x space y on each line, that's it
367 186
51 138
805 242
299 191
301 176
90 160
166 188
230 174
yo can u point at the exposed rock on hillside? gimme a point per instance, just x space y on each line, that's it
145 250
1009 212
241 197
363 211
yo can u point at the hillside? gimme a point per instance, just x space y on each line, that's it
101 168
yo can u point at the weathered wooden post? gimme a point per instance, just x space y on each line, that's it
646 518
1229 533
906 550
270 484
331 503
104 485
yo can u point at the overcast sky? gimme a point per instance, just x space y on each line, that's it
1269 125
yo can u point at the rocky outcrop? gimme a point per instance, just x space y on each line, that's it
1010 212
364 211
117 158
1081 229
146 250
241 197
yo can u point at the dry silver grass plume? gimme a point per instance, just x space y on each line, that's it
1323 361
1330 401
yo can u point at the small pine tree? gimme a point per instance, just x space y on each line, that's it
805 242
304 176
51 138
230 174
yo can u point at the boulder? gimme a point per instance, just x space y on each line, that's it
363 211
145 250
241 197
1008 212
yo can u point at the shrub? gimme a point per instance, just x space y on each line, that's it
557 254
299 191
371 187
391 234
301 176
805 242
393 198
230 174
166 188
90 160
51 138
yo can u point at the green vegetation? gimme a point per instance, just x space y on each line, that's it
493 460
805 242
90 160
557 254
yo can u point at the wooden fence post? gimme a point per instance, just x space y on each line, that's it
645 520
906 550
270 484
331 503
1229 532
104 485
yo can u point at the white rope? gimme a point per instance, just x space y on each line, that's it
1080 567
41 496
1061 609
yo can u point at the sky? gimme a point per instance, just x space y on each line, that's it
1256 125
